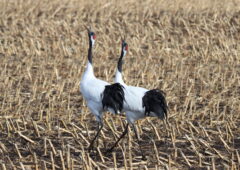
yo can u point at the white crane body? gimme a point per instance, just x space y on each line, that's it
137 102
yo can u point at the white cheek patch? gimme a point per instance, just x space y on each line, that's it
93 41
124 52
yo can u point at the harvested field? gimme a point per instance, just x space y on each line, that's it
189 49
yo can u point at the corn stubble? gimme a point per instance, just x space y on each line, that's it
188 49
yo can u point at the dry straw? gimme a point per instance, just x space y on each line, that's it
189 49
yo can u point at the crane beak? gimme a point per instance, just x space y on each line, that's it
88 29
123 39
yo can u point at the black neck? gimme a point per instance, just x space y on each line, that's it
120 62
90 52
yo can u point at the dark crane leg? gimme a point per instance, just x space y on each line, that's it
122 135
135 131
100 126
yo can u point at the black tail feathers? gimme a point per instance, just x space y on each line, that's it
154 101
113 97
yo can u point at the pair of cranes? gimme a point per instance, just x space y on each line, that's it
101 96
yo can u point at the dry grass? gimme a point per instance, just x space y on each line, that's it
188 49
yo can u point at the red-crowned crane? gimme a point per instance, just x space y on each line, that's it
137 102
92 88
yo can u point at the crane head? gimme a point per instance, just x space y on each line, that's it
92 36
124 47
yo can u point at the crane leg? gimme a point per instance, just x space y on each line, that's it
135 131
122 135
100 126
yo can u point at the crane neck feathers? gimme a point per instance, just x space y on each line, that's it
89 70
118 77
90 54
120 60
88 74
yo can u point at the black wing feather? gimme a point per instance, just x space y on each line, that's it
113 97
154 101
